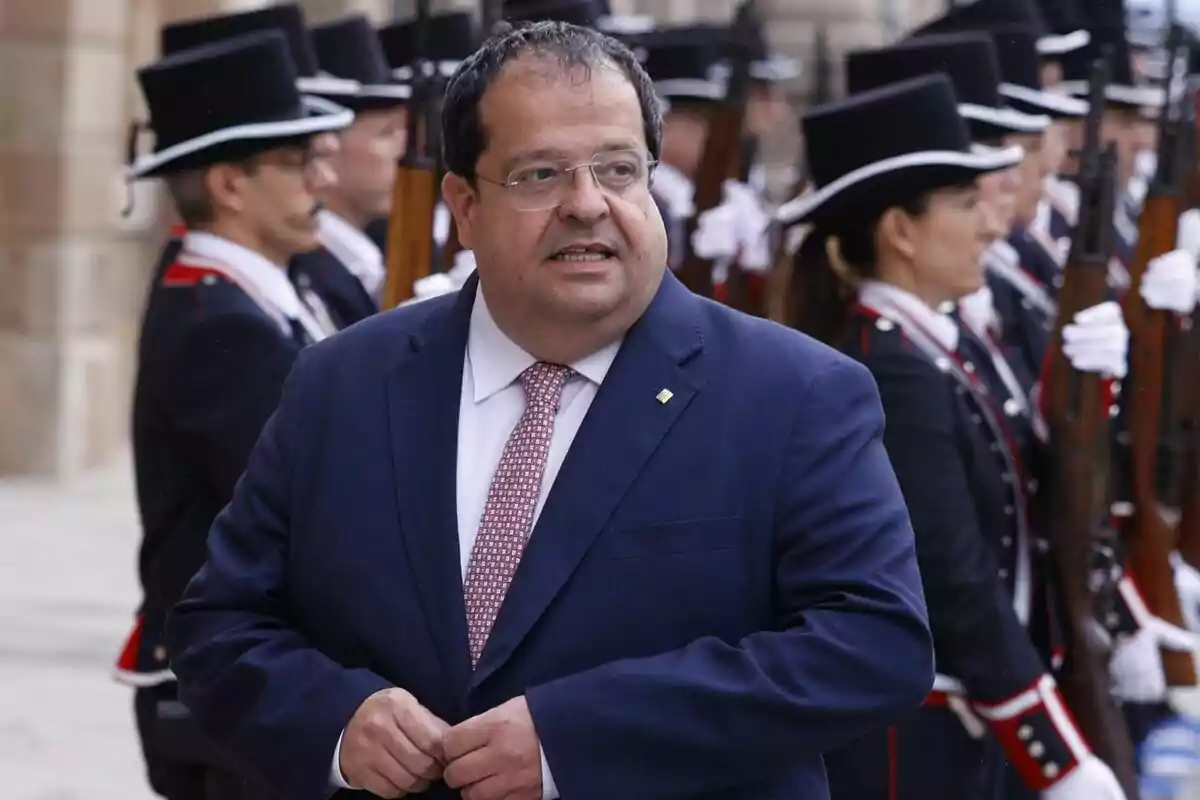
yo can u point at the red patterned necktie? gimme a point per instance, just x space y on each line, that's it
512 499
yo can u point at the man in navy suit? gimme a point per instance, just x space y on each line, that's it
573 531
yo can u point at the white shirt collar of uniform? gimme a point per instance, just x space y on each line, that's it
496 361
675 190
905 308
353 248
267 283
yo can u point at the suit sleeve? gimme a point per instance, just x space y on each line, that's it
225 382
274 703
849 650
979 639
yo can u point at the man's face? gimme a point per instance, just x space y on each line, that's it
276 199
366 163
539 121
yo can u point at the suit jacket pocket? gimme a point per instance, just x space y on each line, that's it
681 537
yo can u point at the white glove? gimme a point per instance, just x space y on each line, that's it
978 310
1188 237
1091 780
1136 669
1097 341
1170 282
737 227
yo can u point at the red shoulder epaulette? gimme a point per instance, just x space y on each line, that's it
180 275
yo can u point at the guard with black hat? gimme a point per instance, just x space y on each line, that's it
347 272
686 65
233 144
896 231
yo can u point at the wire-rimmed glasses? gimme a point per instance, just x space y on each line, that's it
543 185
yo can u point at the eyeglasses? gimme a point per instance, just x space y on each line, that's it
543 185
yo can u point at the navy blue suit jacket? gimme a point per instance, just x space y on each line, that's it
719 589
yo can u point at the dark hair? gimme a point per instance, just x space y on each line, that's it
820 294
463 135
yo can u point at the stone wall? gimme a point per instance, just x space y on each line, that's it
73 272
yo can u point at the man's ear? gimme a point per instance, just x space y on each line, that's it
460 198
225 184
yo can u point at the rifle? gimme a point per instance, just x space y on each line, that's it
1152 344
410 223
822 93
1076 495
721 145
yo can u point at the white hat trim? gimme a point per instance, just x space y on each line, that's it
1057 44
691 87
980 158
1005 118
445 69
328 84
386 91
1054 101
775 68
326 121
626 23
1153 96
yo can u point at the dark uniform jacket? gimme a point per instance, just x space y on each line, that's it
967 487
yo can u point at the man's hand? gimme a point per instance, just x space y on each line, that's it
392 746
496 755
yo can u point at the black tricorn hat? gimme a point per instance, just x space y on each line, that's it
685 62
1106 21
288 18
349 48
986 14
857 172
1064 19
449 38
226 101
968 59
1017 57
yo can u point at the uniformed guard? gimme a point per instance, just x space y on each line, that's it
897 231
449 38
346 273
218 339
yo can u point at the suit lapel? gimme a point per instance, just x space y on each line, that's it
622 429
423 395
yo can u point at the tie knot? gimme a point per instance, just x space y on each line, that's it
543 382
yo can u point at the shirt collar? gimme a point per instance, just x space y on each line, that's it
352 247
496 361
269 281
906 309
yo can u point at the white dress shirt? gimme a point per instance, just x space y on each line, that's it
266 283
490 406
349 245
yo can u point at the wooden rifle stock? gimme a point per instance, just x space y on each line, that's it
410 223
1154 531
722 147
1189 511
1075 496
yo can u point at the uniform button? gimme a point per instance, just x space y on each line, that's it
1009 511
1032 485
1006 541
994 447
160 653
976 419
209 280
960 390
1112 620
943 364
884 324
1025 304
1003 573
1114 410
1116 388
1011 407
1025 733
1050 770
1037 749
1007 477
968 366
1042 545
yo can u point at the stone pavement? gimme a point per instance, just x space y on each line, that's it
67 592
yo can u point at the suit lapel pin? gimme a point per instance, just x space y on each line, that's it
664 396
